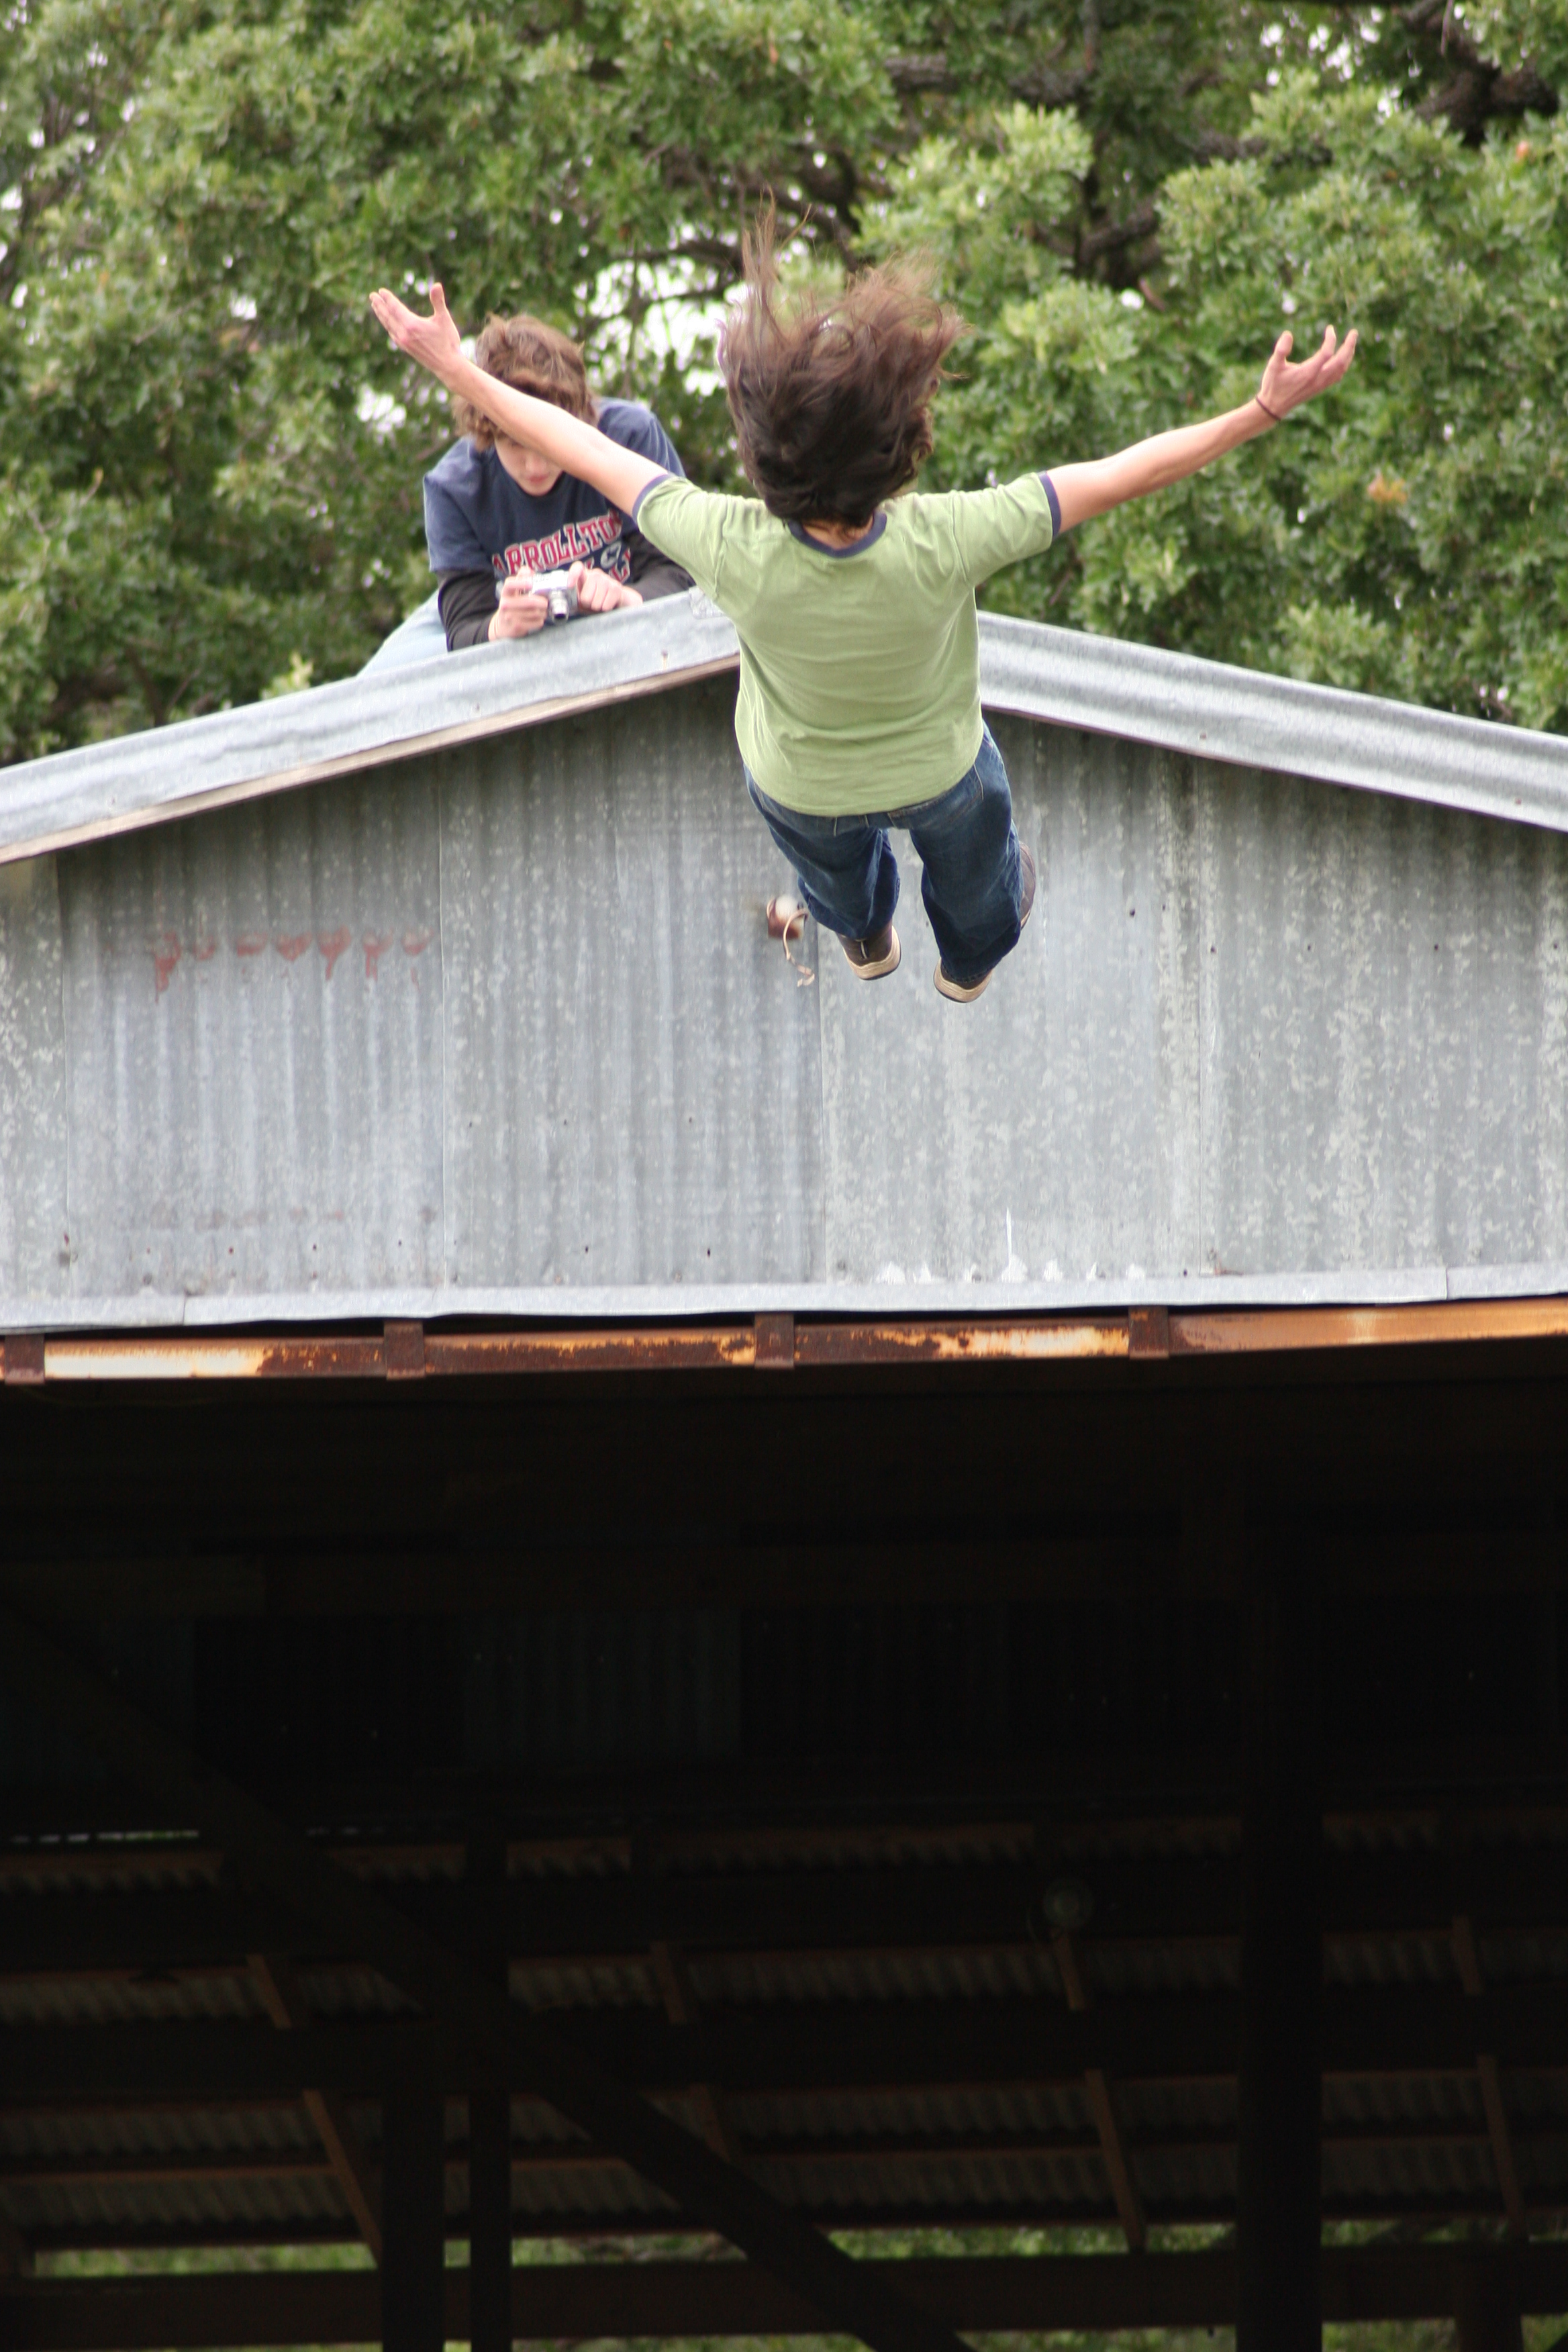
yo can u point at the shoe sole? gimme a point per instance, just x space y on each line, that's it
956 995
950 989
890 963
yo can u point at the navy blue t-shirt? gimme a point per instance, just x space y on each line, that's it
476 519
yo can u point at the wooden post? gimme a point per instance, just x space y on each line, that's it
414 2219
489 2125
1486 2304
1280 2076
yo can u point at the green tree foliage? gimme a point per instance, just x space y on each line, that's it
209 462
1410 535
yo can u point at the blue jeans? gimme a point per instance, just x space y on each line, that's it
968 846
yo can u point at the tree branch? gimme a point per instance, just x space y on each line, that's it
1115 235
1048 88
1476 87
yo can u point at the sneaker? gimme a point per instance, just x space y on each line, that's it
874 958
950 989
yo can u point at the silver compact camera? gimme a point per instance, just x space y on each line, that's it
559 594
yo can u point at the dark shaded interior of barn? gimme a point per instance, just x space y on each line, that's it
1122 1792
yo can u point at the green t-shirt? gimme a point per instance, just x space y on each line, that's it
859 667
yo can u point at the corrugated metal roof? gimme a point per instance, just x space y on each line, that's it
1206 710
358 724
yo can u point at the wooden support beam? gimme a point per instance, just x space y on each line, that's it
413 2301
286 2005
1414 2217
1548 1652
1119 2170
1466 1958
833 2046
619 2300
847 2295
1364 1782
152 2060
393 1582
680 2005
489 2118
1501 2139
1279 2095
16 2254
529 2157
1487 2309
537 2160
773 1912
1096 2090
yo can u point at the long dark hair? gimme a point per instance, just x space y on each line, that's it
831 399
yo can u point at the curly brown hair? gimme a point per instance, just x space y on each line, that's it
831 399
531 357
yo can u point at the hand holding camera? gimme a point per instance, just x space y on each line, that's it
520 610
537 599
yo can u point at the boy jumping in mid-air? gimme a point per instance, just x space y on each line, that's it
859 694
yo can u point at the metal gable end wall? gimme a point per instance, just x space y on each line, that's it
494 1026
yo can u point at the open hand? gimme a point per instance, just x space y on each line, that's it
1285 387
434 341
601 591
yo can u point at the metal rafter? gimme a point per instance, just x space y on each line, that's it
834 2045
1467 1958
1097 2090
286 2005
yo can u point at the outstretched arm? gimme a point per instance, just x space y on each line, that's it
577 449
1106 482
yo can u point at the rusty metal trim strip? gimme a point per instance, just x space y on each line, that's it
932 1342
157 1357
1297 1329
823 1346
586 1347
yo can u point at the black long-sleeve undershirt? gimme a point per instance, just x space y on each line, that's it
466 599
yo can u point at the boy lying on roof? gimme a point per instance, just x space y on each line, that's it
859 694
498 510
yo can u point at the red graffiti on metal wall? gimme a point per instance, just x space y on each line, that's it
168 950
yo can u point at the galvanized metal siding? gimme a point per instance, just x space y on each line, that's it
499 1027
1052 1128
633 1084
253 1005
34 1231
1385 1031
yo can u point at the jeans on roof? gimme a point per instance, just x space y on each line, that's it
968 846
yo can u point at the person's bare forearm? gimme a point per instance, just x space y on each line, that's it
1166 457
1153 464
